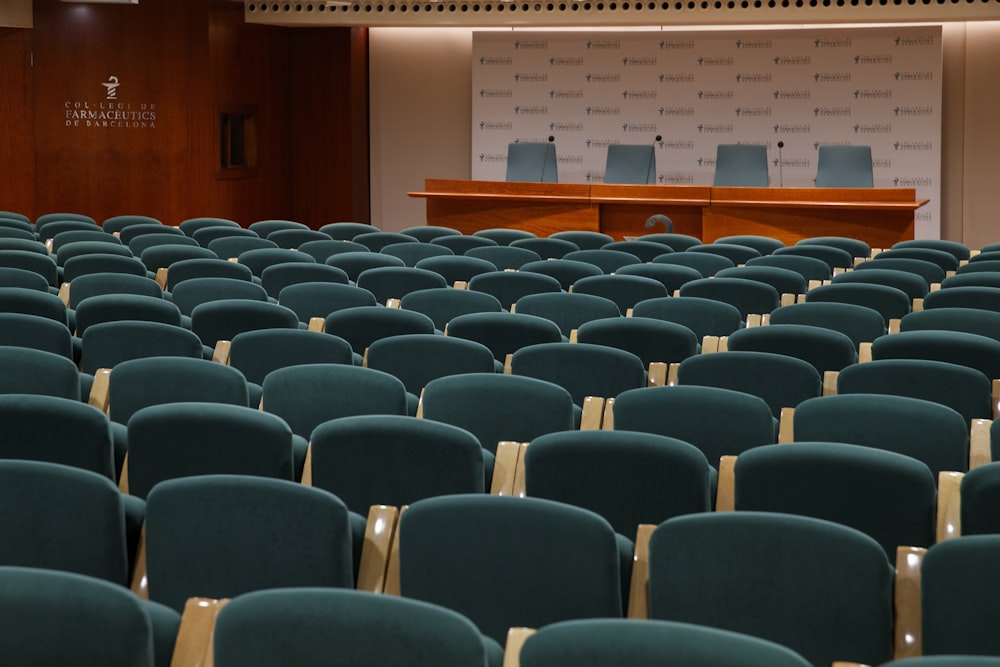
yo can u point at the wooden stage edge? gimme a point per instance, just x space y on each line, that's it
878 216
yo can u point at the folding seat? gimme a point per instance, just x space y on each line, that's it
103 285
106 344
28 371
645 643
305 626
821 589
671 276
426 233
47 230
205 267
509 286
547 248
444 305
411 253
164 256
856 247
176 440
132 232
222 320
262 258
737 254
293 238
834 256
322 250
317 300
36 332
956 347
825 349
345 231
51 217
101 263
230 247
566 271
505 235
810 268
585 240
984 261
191 225
765 245
13 232
605 259
35 262
265 227
21 278
23 245
676 242
891 302
276 277
859 323
205 235
929 271
788 283
985 298
193 292
33 302
394 282
968 320
782 381
624 290
504 257
353 263
504 333
416 359
943 258
141 243
456 269
536 584
646 251
362 325
75 235
375 241
705 317
567 309
707 264
458 244
657 343
748 296
20 218
88 248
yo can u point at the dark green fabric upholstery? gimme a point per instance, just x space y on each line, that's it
309 300
158 257
893 303
184 439
74 235
53 619
49 230
985 298
84 248
310 394
425 233
496 407
229 246
363 325
119 222
972 279
764 245
393 460
113 307
605 259
509 286
261 258
20 278
33 302
650 340
582 369
585 240
444 305
943 258
915 286
567 309
207 233
785 281
860 323
969 320
323 250
416 359
705 317
946 661
276 277
107 344
959 597
395 282
782 381
716 421
809 268
30 260
736 253
108 284
223 320
747 296
376 240
83 265
504 235
955 347
28 371
646 251
458 244
825 349
153 227
62 518
602 642
932 433
506 562
981 497
819 588
39 333
205 267
411 253
293 238
196 291
671 276
223 535
504 333
886 495
856 247
566 271
504 257
547 248
929 271
835 257
455 268
265 227
345 231
676 242
624 290
139 244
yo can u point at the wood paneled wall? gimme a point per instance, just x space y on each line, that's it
188 58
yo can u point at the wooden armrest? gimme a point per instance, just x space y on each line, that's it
995 390
519 488
949 505
709 344
194 644
656 376
64 294
317 324
980 444
307 467
754 320
864 353
723 344
788 299
830 382
841 663
123 477
725 494
813 284
393 303
364 358
140 586
512 649
572 335
380 532
161 277
918 305
638 595
222 351
894 325
609 415
672 372
935 287
392 567
99 390
505 468
461 284
420 405
593 413
629 312
507 370
786 426
907 640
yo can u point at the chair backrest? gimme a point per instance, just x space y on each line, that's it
984 298
581 369
844 167
444 305
38 333
361 326
206 267
196 291
646 251
929 271
825 349
141 243
671 276
526 577
124 307
584 238
376 240
323 250
425 233
567 309
277 277
764 245
33 261
222 535
107 344
504 257
104 284
748 296
741 165
943 258
860 323
83 265
630 163
416 359
12 277
504 235
509 286
606 259
980 497
228 247
706 263
969 320
412 252
162 256
395 282
856 247
347 230
547 248
261 258
265 227
705 317
650 340
294 238
809 268
566 271
915 286
785 281
191 225
822 589
223 320
256 353
305 626
28 371
532 163
461 243
959 250
208 233
455 268
957 347
310 300
354 262
33 302
891 302
836 257
504 333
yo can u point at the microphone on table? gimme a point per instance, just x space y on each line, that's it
781 177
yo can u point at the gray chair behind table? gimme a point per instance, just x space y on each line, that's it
844 167
741 165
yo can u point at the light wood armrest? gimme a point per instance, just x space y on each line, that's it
709 344
317 324
656 376
507 369
392 568
894 325
802 298
864 353
638 594
393 303
672 373
196 634
725 494
788 299
364 358
222 351
918 305
841 663
765 319
512 649
505 468
572 336
786 426
461 284
629 312
99 390
980 445
754 320
161 277
830 382
307 467
813 284
907 641
723 344
949 505
609 415
123 477
593 413
380 532
839 270
995 390
519 488
49 245
420 405
140 586
935 287
64 294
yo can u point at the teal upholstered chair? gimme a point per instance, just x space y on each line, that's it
425 233
504 333
825 349
230 246
411 252
957 347
959 250
376 240
28 371
741 165
968 320
30 260
141 243
346 230
645 643
323 250
738 253
104 284
532 162
164 256
624 290
915 286
130 232
459 244
630 163
101 263
107 308
606 259
509 286
442 306
971 279
362 325
982 297
891 302
836 256
671 276
223 320
455 268
705 317
261 258
74 235
764 245
305 626
293 238
646 251
584 239
929 271
195 291
279 276
945 259
547 248
566 271
676 242
505 235
785 281
844 167
581 369
191 225
39 333
107 344
319 299
859 323
84 248
47 230
354 262
651 340
395 282
748 296
980 494
265 227
222 535
207 233
536 561
706 263
504 257
567 309
12 277
819 588
809 268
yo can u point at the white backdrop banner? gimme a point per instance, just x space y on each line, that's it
686 92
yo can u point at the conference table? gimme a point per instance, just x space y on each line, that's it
878 216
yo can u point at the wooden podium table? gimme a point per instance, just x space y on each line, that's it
878 216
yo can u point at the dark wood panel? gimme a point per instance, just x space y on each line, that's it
17 192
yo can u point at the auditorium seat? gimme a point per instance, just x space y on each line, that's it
322 250
191 225
411 253
294 238
625 290
504 257
354 262
391 283
425 233
509 286
277 277
567 309
604 258
707 264
547 248
442 306
566 271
